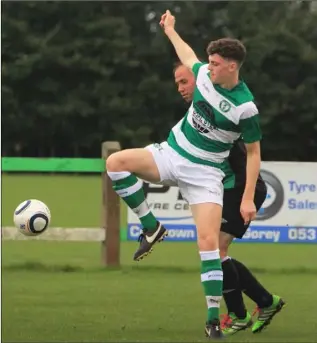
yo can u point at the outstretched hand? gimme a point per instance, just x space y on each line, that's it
167 21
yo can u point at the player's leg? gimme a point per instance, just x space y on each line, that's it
206 208
268 304
237 278
238 318
207 218
231 223
124 168
235 272
251 286
234 301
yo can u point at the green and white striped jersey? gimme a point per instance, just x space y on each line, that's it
216 118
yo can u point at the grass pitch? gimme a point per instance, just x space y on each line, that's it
58 292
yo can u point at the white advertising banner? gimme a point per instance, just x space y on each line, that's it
289 213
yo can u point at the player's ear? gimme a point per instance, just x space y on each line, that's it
233 66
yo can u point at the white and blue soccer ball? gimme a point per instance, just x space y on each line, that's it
32 217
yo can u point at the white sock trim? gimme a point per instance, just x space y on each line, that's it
209 255
114 176
213 301
142 210
225 258
125 192
212 275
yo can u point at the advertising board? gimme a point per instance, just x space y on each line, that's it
289 213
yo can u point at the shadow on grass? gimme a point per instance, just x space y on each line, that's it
33 266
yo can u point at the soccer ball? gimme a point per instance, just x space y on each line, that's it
32 217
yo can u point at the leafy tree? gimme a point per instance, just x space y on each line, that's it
77 73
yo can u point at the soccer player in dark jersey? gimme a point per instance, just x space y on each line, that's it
237 277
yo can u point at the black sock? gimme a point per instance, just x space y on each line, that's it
232 294
251 286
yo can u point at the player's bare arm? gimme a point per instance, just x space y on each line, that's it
185 53
248 209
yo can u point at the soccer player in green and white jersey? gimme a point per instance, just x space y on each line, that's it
236 275
195 158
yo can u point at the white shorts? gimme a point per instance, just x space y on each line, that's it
197 183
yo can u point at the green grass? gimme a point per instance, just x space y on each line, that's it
76 199
59 292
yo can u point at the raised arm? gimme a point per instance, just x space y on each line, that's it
185 53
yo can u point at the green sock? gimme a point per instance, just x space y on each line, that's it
211 278
129 188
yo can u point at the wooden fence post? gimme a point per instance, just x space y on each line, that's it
110 213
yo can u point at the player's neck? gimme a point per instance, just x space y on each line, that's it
230 84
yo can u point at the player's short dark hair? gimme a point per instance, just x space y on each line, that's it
229 48
177 65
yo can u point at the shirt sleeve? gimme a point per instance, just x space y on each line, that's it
250 125
196 67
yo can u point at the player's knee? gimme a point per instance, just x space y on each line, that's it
115 163
207 241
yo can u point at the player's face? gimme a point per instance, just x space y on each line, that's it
185 82
221 70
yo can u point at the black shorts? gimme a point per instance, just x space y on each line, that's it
232 221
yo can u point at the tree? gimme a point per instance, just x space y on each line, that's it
77 73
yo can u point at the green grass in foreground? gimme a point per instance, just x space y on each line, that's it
58 292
